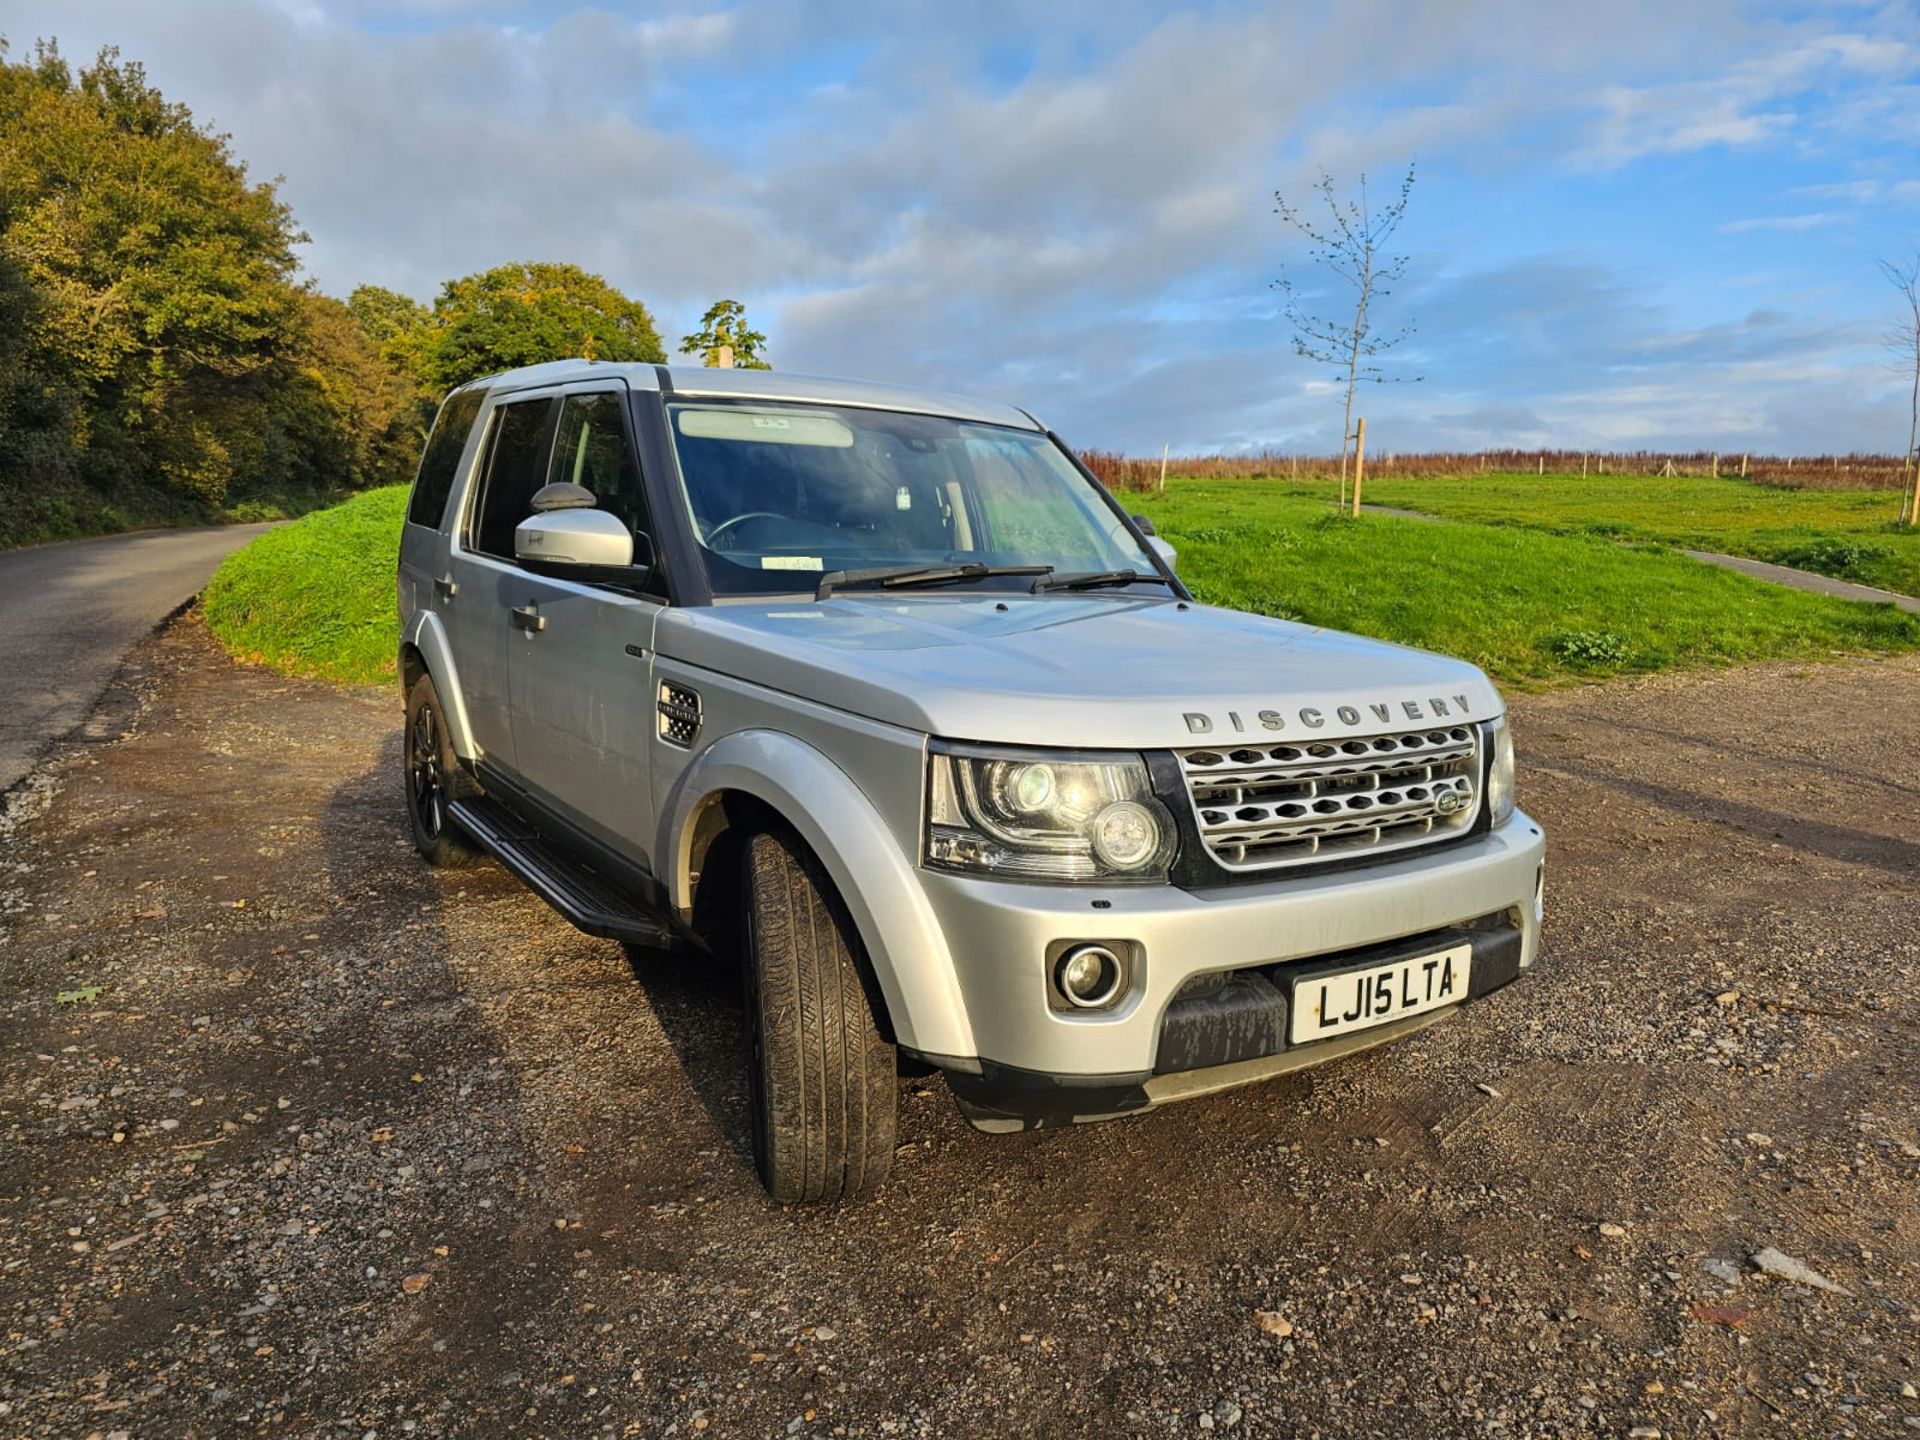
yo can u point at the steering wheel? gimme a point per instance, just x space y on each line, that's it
713 535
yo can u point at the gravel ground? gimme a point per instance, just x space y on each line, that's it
302 1139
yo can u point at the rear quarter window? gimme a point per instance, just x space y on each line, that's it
441 460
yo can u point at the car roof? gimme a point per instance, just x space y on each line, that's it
700 382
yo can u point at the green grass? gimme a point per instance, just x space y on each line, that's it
1527 606
1848 533
316 597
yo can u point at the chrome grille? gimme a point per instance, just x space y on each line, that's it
1269 805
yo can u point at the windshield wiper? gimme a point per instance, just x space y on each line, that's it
899 576
1094 580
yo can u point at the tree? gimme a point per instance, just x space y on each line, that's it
1904 341
524 314
387 316
1350 245
159 357
725 323
159 277
343 417
395 325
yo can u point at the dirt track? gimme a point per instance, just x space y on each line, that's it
342 1147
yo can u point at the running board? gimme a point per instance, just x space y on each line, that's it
587 901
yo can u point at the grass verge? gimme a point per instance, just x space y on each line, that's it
1851 534
1527 606
316 597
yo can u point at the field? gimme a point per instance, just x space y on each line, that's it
317 597
1526 605
1848 533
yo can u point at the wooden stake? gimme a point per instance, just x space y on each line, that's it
1359 461
1163 467
1743 467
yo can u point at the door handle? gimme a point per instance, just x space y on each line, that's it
447 586
528 617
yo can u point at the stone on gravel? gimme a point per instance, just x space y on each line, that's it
1783 1266
1272 1322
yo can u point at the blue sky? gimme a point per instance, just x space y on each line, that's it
1636 225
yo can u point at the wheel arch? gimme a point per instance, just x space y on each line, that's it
424 651
760 777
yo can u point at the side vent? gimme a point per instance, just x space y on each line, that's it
679 714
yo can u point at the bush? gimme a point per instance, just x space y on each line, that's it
1846 559
1590 649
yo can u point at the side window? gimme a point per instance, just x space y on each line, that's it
434 482
591 450
516 467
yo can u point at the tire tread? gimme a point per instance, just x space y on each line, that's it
829 1074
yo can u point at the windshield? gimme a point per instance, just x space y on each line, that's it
781 495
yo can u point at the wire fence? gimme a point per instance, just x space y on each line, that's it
1793 472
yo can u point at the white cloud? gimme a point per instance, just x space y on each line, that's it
1809 221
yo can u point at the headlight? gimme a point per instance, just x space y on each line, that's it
1032 815
1500 773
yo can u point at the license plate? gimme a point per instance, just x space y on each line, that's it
1347 1000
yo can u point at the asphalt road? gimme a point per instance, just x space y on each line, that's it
73 610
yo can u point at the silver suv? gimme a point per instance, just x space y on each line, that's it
880 696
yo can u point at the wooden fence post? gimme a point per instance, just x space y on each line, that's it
1715 471
1743 467
1359 461
1163 466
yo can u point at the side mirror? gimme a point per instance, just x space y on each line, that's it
1144 525
572 537
590 546
1161 548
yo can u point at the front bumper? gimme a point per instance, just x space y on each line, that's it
1040 1065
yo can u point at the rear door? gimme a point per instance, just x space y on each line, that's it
485 581
581 681
423 539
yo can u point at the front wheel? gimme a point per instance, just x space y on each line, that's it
434 778
822 1075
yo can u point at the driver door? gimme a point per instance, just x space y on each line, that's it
581 664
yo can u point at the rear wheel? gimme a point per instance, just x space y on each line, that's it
434 779
822 1075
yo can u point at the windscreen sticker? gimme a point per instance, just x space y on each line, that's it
790 562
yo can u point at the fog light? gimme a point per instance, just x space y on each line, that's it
1089 976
